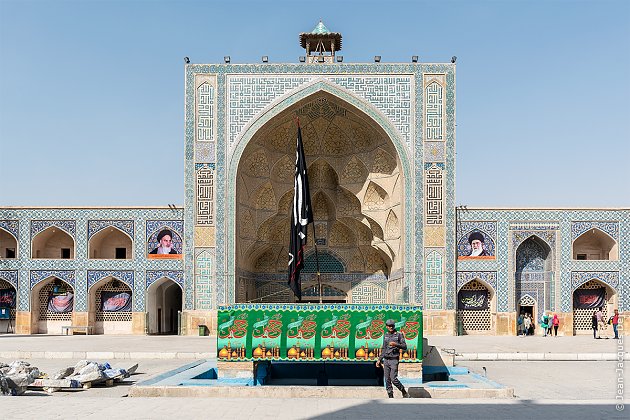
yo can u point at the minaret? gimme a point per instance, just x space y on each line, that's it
320 44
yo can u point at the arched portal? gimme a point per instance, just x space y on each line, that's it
595 245
52 243
355 177
110 243
587 299
52 304
534 275
109 307
475 304
8 245
164 303
8 302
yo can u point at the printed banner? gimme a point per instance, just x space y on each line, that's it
589 298
472 300
61 303
115 302
7 298
314 332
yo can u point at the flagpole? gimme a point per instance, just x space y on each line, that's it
319 279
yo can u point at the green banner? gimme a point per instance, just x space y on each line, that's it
314 332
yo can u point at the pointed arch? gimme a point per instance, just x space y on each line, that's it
595 244
9 245
53 243
104 243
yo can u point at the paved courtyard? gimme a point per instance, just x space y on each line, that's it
546 389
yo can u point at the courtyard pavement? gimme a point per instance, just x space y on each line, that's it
468 347
547 389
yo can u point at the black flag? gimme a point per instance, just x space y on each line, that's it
301 216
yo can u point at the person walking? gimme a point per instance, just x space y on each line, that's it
550 325
527 323
615 324
556 324
544 319
595 323
393 342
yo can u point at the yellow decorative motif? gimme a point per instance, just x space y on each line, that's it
434 236
205 236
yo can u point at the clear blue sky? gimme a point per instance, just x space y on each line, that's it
92 95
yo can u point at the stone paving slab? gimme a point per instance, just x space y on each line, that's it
55 407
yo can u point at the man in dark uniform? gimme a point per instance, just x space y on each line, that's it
393 342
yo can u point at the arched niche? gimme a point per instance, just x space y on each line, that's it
47 317
106 312
52 243
8 302
595 244
8 245
110 243
354 171
584 305
476 307
164 302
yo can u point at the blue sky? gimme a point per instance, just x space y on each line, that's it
91 92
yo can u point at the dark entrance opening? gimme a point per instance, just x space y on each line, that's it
121 253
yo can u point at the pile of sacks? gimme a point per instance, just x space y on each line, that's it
16 377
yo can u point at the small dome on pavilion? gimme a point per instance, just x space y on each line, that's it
320 40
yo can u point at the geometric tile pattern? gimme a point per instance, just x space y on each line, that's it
558 228
578 278
98 225
204 262
293 87
76 222
11 226
10 276
433 279
69 226
611 228
125 276
489 277
176 275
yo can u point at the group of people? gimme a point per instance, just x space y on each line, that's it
548 322
599 324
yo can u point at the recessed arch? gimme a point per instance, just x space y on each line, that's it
8 245
8 301
53 243
476 304
164 302
281 139
110 243
587 298
48 317
595 244
110 306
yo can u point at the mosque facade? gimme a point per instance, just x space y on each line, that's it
379 140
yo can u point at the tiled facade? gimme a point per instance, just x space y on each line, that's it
414 105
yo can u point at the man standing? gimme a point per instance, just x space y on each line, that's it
393 342
476 241
165 237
